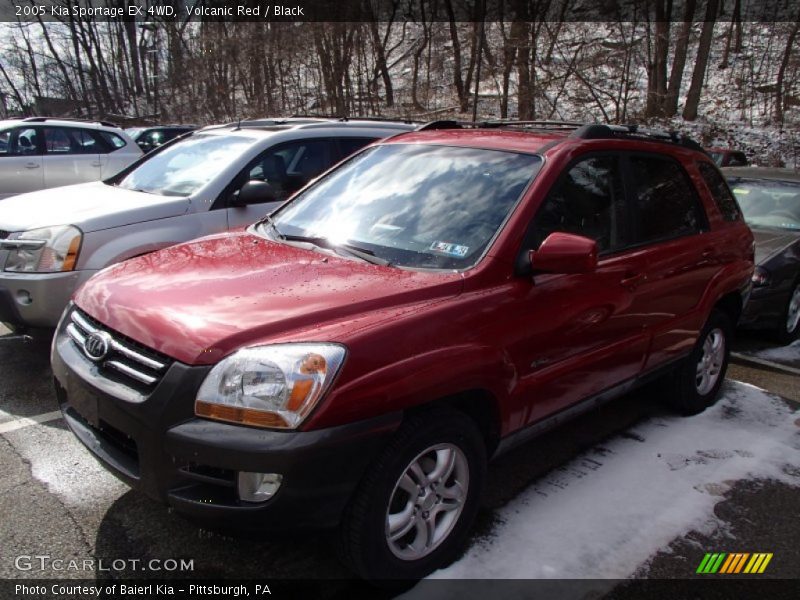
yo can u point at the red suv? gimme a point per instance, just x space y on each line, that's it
356 357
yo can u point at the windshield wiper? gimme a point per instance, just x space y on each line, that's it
271 222
364 254
349 249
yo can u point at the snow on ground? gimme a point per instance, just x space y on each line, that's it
783 354
605 513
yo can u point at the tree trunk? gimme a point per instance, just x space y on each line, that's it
782 71
520 33
699 74
657 66
679 61
458 81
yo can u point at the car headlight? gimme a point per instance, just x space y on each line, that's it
45 250
269 386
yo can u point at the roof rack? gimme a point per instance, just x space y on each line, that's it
500 123
45 119
599 131
590 131
342 119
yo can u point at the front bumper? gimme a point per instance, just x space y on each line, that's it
156 445
37 299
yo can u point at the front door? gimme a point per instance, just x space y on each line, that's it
20 161
579 335
287 167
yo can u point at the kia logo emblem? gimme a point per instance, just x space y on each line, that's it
97 345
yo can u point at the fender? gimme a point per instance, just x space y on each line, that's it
418 380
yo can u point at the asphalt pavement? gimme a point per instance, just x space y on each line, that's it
57 502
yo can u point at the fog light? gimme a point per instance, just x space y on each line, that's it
24 297
258 487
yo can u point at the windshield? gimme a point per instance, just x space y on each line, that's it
768 203
185 167
413 206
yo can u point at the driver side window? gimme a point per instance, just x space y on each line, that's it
587 200
290 166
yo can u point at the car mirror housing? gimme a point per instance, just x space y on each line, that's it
255 192
564 253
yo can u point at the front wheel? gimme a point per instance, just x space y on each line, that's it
697 381
412 512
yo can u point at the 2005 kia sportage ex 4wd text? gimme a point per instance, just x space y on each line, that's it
355 358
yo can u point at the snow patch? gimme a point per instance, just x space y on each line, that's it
783 354
602 515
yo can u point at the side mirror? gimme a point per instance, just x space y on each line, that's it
565 253
254 191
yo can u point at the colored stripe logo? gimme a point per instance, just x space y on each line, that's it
734 562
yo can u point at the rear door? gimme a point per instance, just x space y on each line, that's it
20 161
680 257
71 156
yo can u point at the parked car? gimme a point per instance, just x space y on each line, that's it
728 157
770 200
40 152
355 358
150 138
216 179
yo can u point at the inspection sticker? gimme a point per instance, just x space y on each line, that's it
450 249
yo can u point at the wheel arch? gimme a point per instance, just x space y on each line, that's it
479 405
731 305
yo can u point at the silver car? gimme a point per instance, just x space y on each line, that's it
215 179
39 152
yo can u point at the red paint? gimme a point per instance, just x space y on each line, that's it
565 253
536 344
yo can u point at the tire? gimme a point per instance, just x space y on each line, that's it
437 440
696 383
789 326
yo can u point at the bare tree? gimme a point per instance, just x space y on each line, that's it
699 73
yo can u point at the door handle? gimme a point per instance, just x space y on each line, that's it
632 281
97 163
32 165
708 253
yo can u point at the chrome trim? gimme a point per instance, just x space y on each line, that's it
130 372
76 335
134 355
22 244
82 323
80 329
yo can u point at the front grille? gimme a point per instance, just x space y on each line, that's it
118 357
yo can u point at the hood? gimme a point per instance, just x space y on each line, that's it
772 241
199 301
90 206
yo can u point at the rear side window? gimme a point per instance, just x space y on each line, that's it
721 193
113 140
588 200
667 204
57 141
